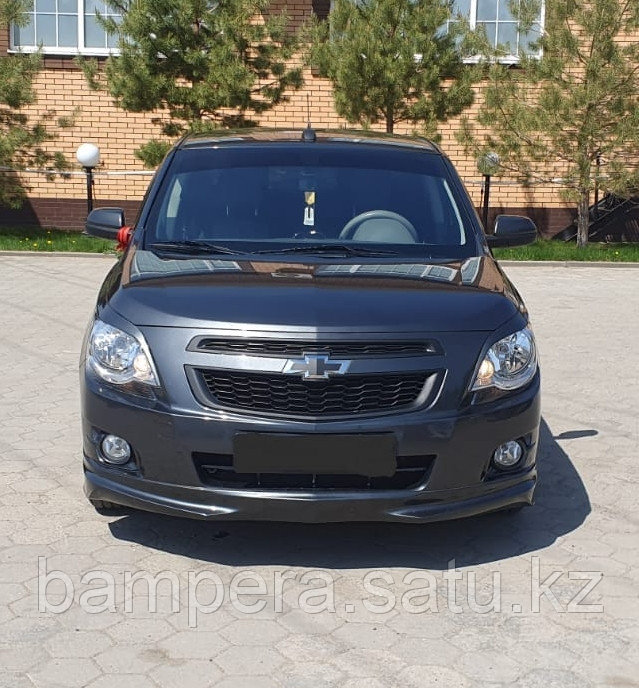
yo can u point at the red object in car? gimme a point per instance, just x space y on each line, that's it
124 237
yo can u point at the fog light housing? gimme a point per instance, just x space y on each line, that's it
115 450
508 455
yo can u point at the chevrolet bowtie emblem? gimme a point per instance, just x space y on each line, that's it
315 367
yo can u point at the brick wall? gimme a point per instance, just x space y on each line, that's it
61 90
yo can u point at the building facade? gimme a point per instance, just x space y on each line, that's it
66 28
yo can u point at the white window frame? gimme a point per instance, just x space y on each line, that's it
80 49
505 59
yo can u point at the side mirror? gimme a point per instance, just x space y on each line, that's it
512 230
105 223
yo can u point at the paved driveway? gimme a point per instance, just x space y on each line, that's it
491 601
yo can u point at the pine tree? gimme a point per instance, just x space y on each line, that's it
204 64
393 61
558 116
21 139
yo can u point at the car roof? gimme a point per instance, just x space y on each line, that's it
346 136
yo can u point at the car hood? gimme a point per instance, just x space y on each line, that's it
473 294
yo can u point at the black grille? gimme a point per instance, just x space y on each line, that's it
216 470
288 394
297 348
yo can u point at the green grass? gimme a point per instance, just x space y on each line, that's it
558 250
47 240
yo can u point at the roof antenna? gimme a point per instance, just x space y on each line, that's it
309 135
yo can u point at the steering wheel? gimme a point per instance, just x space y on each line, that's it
353 225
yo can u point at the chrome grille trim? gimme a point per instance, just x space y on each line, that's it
294 348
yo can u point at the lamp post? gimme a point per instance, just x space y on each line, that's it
88 155
487 165
597 173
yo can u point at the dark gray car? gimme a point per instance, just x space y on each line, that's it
309 329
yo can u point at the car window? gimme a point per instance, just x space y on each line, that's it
278 198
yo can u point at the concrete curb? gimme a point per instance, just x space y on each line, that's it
57 254
568 263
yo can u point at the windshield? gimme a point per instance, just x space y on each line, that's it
302 197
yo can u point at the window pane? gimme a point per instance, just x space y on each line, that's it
112 38
45 29
526 39
45 6
90 6
67 31
94 34
24 35
504 11
507 36
490 29
461 7
68 6
486 9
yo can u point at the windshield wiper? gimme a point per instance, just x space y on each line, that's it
330 248
192 248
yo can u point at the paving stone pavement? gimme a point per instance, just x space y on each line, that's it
329 626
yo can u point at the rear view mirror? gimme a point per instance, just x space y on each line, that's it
512 230
105 223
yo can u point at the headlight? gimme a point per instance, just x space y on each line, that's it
510 363
117 357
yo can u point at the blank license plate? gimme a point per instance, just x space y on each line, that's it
368 455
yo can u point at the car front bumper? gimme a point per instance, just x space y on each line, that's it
254 506
165 480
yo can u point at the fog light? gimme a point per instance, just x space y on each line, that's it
507 455
115 449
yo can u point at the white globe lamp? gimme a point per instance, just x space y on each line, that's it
88 155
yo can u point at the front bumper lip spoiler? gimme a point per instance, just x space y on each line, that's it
409 508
